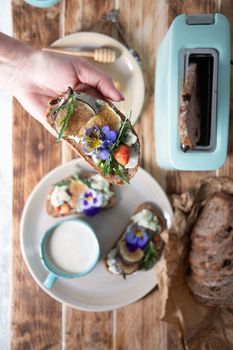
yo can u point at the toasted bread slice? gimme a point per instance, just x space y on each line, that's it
127 261
89 112
189 111
75 188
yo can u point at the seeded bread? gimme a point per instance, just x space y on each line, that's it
211 257
189 111
81 116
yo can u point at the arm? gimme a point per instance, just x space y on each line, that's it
34 76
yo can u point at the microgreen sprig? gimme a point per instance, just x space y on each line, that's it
69 106
83 179
70 111
64 182
150 257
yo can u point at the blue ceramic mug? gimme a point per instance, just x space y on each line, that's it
42 3
69 249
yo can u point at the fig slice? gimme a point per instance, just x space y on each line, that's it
107 116
82 114
128 256
127 269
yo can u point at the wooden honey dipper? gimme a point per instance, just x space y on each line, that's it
103 55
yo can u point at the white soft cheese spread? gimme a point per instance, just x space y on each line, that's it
75 138
134 157
130 138
59 196
147 219
98 183
112 262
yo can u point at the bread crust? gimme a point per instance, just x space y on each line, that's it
111 178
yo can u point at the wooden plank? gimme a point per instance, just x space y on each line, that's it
85 330
35 317
88 330
179 181
92 13
144 23
226 8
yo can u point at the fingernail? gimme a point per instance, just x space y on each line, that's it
122 96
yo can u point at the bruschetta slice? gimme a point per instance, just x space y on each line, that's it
98 132
140 246
80 194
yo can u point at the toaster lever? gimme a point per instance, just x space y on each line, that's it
200 19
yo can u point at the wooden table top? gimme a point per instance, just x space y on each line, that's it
38 321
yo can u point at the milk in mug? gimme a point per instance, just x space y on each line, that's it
72 248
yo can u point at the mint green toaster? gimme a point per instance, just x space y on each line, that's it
205 40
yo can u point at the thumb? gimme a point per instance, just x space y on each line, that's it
94 77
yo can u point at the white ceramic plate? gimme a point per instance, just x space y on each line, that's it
125 70
100 290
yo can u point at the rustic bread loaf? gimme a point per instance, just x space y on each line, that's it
216 216
211 256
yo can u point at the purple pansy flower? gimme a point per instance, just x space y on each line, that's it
98 141
136 237
109 135
90 202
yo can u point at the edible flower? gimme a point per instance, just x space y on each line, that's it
136 237
98 141
90 202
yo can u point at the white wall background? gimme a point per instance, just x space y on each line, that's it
5 192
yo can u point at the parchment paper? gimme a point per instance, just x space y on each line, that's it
200 327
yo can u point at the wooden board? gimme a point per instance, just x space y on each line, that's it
137 326
35 317
83 329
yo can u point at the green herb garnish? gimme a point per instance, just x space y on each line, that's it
69 105
125 127
150 257
84 180
111 165
64 182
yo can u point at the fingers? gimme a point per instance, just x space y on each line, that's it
94 77
81 87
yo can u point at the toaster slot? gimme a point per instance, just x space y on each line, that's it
206 62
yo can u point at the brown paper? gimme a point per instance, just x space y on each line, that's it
200 327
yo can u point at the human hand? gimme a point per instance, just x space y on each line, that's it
39 76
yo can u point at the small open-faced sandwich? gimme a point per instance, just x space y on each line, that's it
140 246
98 132
80 194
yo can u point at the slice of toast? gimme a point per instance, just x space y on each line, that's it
89 112
75 188
189 111
127 261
